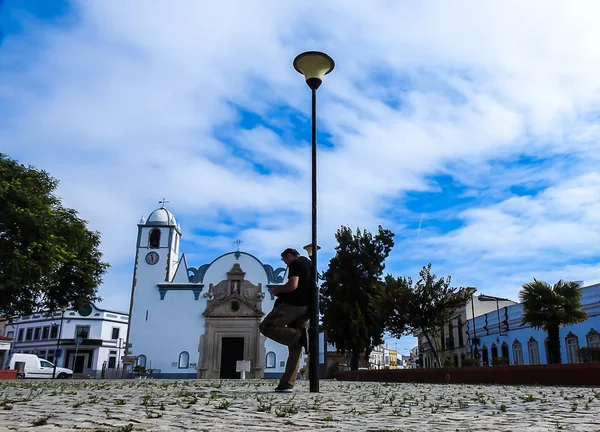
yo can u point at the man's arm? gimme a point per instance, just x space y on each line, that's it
290 286
292 283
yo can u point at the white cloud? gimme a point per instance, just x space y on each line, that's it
131 102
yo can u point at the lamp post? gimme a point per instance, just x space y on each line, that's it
473 290
62 318
484 297
314 65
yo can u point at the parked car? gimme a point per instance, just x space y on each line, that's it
36 367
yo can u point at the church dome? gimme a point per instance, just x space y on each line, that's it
161 216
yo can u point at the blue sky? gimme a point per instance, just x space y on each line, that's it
475 120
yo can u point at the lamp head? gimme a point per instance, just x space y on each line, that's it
314 65
309 250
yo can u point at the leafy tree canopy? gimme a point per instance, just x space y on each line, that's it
426 306
352 291
48 256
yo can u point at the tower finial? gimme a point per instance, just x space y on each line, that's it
237 254
163 202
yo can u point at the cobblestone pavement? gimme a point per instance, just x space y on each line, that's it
203 405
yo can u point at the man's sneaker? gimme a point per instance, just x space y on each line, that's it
284 389
304 340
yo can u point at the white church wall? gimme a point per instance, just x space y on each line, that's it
173 327
166 317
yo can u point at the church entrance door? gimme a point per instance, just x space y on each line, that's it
232 350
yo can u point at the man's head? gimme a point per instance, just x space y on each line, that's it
289 255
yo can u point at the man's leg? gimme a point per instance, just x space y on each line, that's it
276 325
288 379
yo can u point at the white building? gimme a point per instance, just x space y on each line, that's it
189 322
90 338
377 357
453 342
5 344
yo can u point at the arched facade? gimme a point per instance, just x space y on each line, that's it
206 318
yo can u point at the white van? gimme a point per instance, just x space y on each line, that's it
36 367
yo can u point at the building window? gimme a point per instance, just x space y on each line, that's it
517 353
534 351
154 240
184 360
572 349
282 363
82 331
29 334
494 351
115 333
45 332
54 331
37 333
271 360
504 349
20 338
141 360
593 339
461 340
112 362
485 357
50 356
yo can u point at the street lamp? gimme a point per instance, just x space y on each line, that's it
472 291
314 65
308 248
62 318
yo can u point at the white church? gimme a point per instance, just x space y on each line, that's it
191 322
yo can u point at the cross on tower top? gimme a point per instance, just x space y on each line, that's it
162 202
238 242
237 253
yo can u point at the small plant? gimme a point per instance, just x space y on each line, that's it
286 410
528 398
41 421
126 428
224 404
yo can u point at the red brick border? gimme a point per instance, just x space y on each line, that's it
8 374
582 374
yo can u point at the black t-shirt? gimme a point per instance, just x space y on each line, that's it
300 267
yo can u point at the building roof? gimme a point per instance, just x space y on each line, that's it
161 216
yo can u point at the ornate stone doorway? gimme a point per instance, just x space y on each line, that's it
233 313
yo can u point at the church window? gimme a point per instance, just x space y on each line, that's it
141 360
271 360
184 360
154 238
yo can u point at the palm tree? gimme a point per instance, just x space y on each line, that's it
549 308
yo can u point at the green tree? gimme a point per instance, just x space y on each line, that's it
48 256
549 307
352 291
426 307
